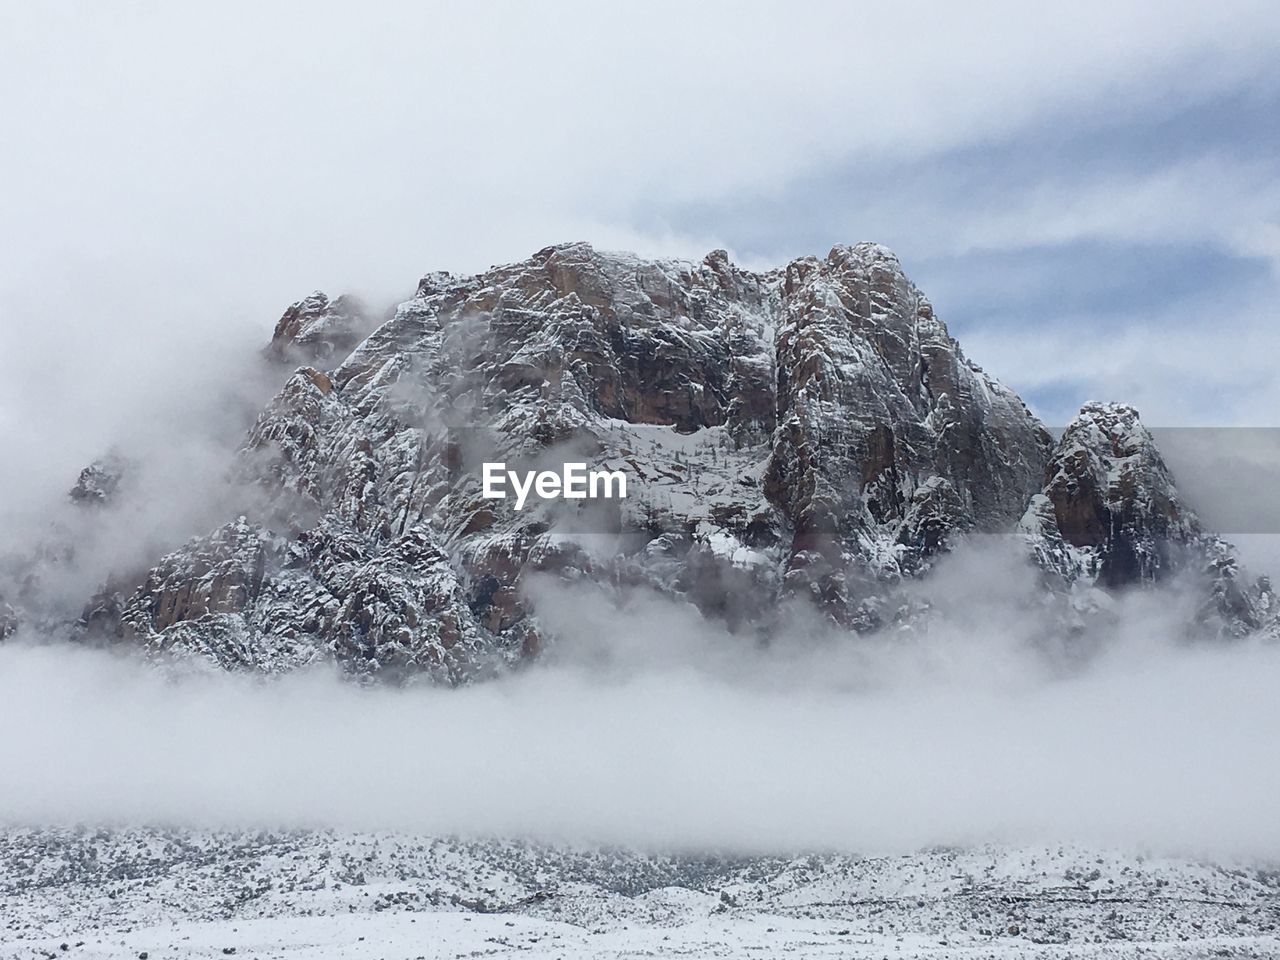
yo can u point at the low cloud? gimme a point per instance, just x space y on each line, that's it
646 725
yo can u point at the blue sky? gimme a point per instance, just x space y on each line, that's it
1177 264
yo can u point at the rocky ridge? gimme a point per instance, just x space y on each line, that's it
810 434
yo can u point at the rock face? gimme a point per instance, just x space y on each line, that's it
98 482
887 438
1109 510
319 329
811 434
1110 514
9 621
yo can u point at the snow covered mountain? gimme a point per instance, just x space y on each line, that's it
811 434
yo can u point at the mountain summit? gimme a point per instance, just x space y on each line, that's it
810 434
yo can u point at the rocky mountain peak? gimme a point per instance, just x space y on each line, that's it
1110 515
317 329
809 434
1111 501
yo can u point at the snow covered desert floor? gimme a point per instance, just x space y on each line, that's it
153 894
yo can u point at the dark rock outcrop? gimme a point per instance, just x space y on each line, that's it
99 482
317 329
9 620
1111 515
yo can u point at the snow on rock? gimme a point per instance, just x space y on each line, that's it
317 329
98 482
1110 515
810 434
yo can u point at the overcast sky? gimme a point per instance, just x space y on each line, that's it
1087 191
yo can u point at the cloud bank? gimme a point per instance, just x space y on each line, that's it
648 726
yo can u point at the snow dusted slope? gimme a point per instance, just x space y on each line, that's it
888 439
809 434
1110 514
183 894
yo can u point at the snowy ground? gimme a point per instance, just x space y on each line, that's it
157 894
